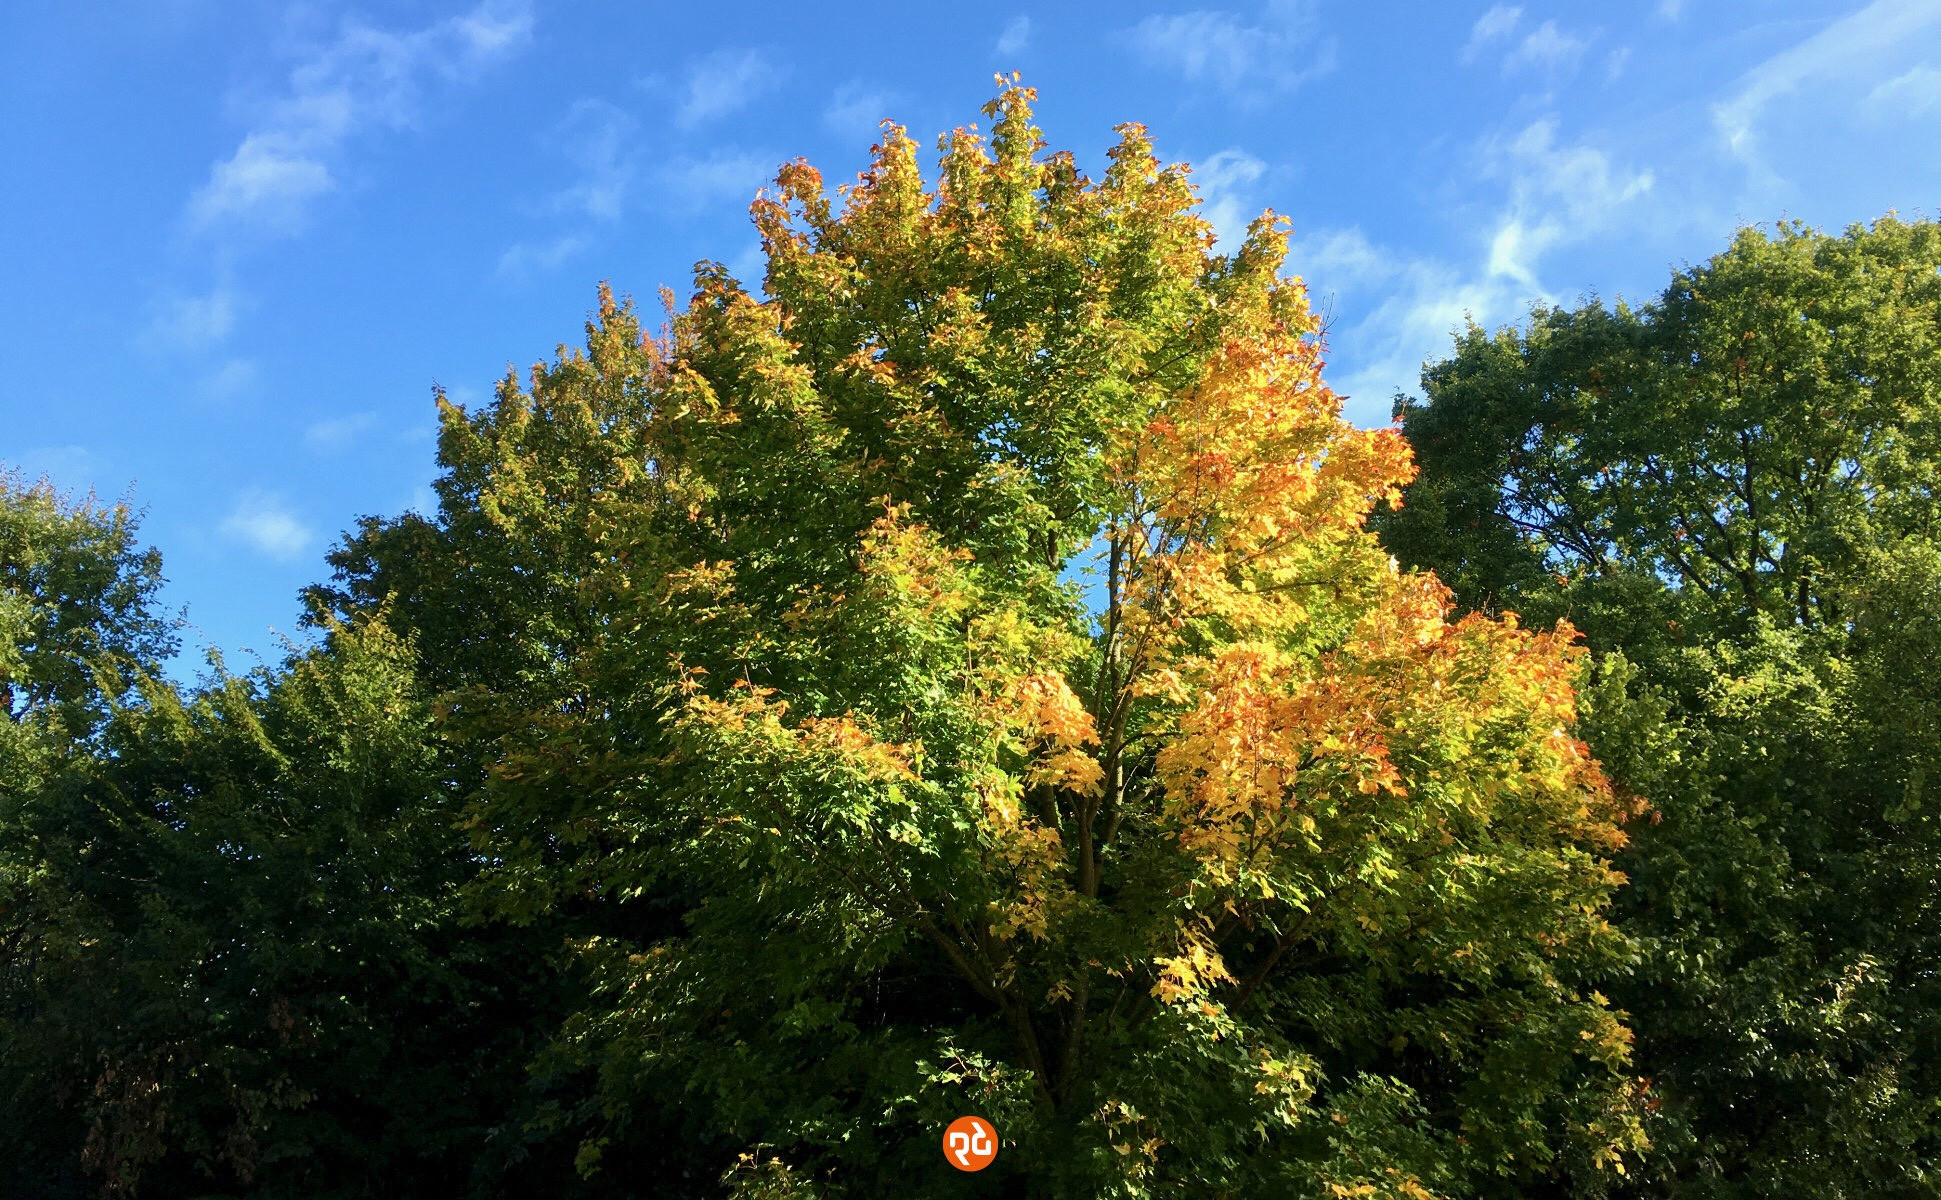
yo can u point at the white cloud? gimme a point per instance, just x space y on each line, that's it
1847 50
535 258
594 137
1251 61
230 380
749 267
462 394
366 76
1341 260
1615 62
68 468
1493 26
722 82
1547 48
1670 9
490 30
194 322
269 177
696 183
1914 94
1014 39
1224 181
261 521
1404 307
1557 194
338 434
1516 246
856 111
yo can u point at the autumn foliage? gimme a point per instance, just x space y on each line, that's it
954 674
968 657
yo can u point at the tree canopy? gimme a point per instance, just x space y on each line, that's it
1732 490
1236 864
231 954
78 597
974 669
1738 446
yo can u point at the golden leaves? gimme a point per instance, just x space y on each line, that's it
1029 853
1053 724
912 563
1041 704
750 718
1267 735
1196 969
843 738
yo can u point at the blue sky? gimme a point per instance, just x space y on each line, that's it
243 241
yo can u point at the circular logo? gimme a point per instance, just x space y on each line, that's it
970 1144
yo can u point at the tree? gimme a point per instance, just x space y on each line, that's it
1735 447
76 597
1731 489
232 957
1242 869
74 622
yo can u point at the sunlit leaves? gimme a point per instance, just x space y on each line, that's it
810 703
1729 488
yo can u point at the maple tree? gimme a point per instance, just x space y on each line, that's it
958 678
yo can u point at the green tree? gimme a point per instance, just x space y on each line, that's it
1731 450
1731 490
232 958
76 600
1259 875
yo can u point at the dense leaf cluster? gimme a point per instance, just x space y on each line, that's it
1732 491
962 675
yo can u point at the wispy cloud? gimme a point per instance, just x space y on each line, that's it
1251 60
1850 49
1554 194
261 521
1342 260
230 380
1914 94
1015 38
1225 181
193 322
269 178
1558 193
857 111
1406 308
1547 49
338 434
1492 27
364 77
536 258
719 83
749 266
595 138
69 468
726 175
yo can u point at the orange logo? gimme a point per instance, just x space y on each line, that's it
970 1144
